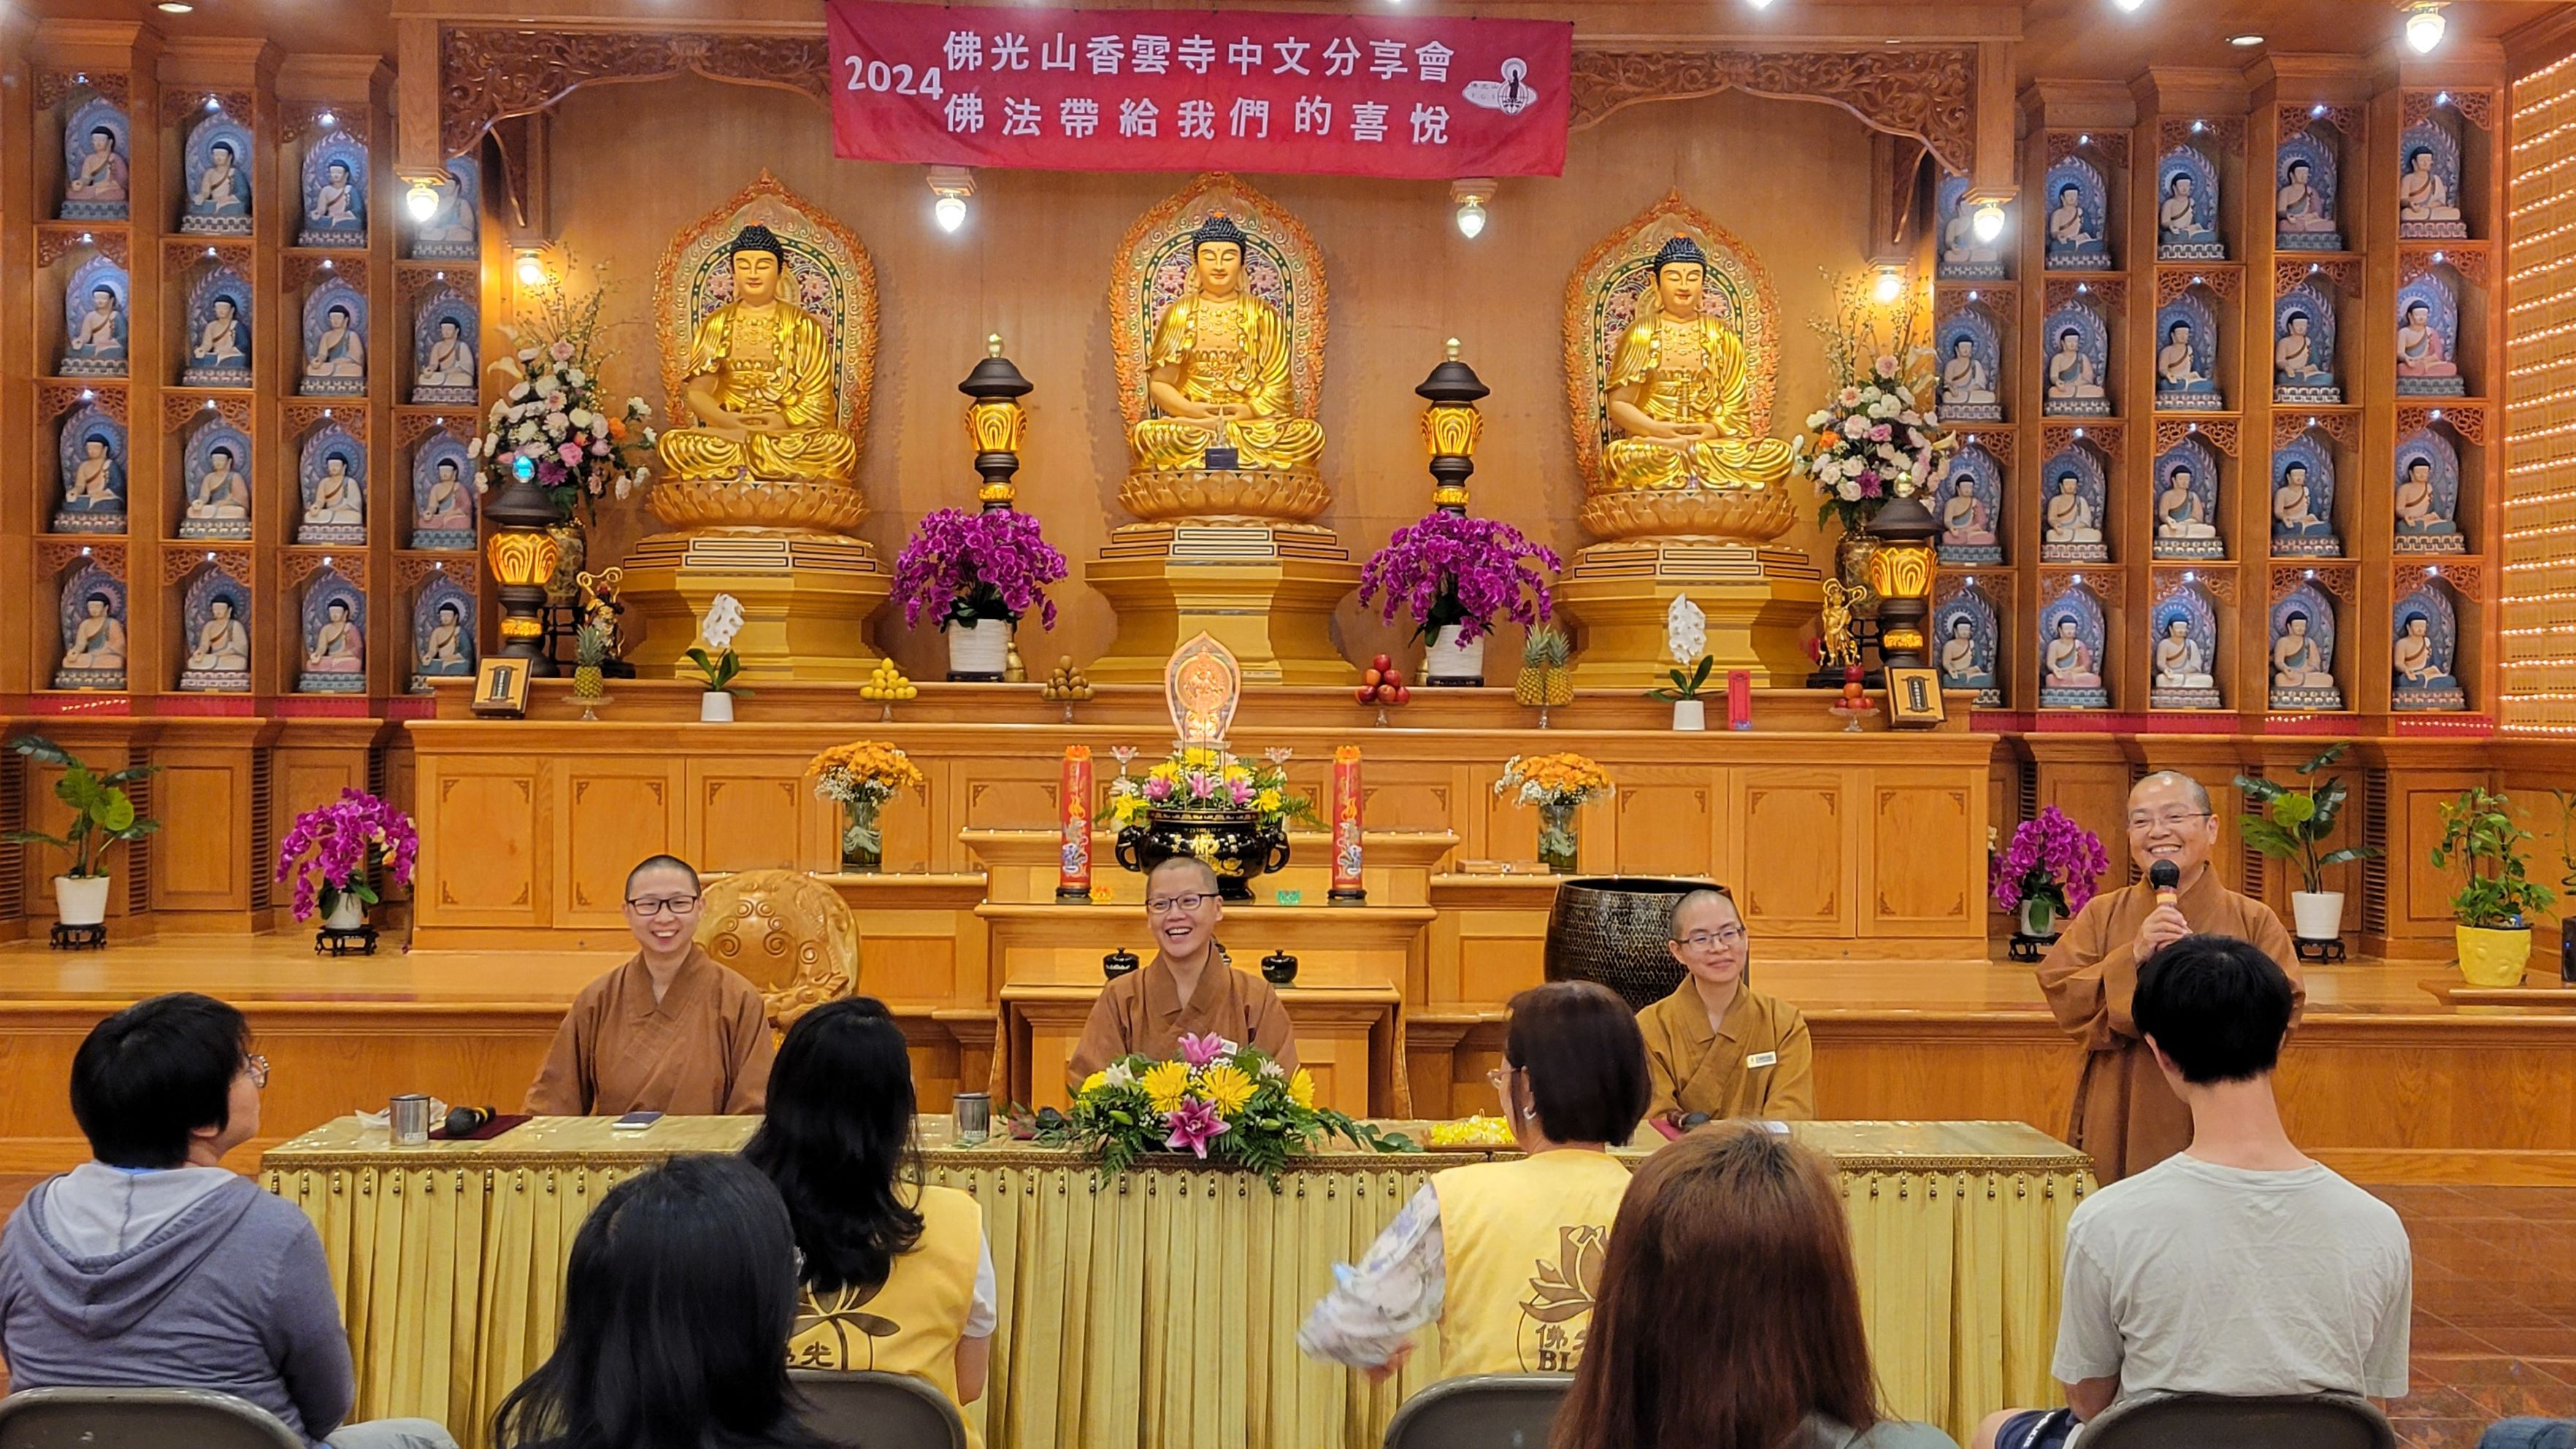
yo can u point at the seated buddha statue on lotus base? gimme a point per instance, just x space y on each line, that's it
1224 485
756 495
1685 492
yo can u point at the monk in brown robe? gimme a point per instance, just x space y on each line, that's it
1186 990
2125 1114
1716 1047
669 1031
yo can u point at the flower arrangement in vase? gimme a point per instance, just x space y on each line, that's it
1873 432
1556 784
716 662
860 777
553 427
1457 575
1216 1101
2047 873
334 850
1230 812
980 572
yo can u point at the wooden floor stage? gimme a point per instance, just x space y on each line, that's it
2384 1080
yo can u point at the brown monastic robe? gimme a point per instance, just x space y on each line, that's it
2125 1114
1695 1069
703 1050
1142 1011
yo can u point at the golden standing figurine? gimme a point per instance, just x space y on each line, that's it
760 383
1840 603
1220 371
1678 391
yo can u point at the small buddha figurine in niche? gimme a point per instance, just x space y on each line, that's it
93 487
1961 667
2179 664
97 644
2294 356
2299 206
2297 662
222 645
2417 660
336 509
2419 504
1963 516
221 495
335 201
102 176
2070 516
2174 369
2419 345
97 345
442 510
2179 514
2070 373
2068 661
221 189
336 647
218 346
1220 384
337 351
1964 380
446 650
1679 394
2422 194
760 383
2066 220
2294 513
450 363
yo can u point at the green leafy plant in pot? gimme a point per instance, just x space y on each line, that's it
2566 883
102 815
2294 821
1690 711
2491 911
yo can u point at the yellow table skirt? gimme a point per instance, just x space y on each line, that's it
1160 1309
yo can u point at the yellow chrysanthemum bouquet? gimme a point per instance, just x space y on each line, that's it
860 777
1234 1104
1555 784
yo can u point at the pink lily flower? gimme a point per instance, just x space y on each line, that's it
1195 1124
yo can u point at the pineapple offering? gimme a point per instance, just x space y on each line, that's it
590 647
887 683
1547 675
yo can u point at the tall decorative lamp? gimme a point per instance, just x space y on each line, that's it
1900 573
523 556
1450 428
995 421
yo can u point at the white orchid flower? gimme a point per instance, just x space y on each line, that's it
722 623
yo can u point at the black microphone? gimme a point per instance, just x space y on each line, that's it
2166 877
466 1121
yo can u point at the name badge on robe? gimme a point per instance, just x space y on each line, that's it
1762 1059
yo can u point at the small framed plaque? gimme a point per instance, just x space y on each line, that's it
501 687
1914 699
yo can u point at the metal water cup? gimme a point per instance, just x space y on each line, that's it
974 1111
408 1115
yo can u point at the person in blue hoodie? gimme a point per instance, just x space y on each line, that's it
153 1266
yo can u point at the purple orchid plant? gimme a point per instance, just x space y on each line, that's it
995 564
1447 568
2050 858
332 846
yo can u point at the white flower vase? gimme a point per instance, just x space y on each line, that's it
715 707
1690 714
1448 662
2317 915
81 900
980 651
347 913
2038 917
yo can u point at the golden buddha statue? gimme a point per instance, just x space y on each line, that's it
1220 372
1678 393
760 383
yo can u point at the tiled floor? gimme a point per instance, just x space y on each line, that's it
2495 1306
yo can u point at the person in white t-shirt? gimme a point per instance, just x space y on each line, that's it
2241 1266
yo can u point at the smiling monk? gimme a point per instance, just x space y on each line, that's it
1187 989
2125 1114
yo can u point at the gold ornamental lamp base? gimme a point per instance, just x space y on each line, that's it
1265 591
1758 601
806 600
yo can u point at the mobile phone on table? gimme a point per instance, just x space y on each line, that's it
634 1121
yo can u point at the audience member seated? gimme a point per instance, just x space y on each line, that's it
1491 1252
1728 1312
2529 1434
678 1298
152 1266
669 1031
1186 990
1716 1047
898 1276
2240 1266
2123 1115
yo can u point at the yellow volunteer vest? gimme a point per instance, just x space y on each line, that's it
1524 1242
912 1324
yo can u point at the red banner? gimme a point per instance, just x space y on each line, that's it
1195 90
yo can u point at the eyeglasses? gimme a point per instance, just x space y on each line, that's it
1727 936
1501 1076
1165 905
257 1066
676 905
2170 819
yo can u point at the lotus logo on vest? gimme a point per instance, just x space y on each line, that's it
1557 1315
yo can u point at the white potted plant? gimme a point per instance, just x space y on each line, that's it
102 815
722 666
2294 821
1690 712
